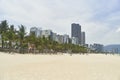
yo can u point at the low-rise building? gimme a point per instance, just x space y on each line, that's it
60 38
66 38
36 31
54 37
97 47
47 33
33 30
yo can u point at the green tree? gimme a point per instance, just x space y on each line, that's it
3 30
11 36
21 35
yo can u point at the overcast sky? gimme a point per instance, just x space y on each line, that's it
100 19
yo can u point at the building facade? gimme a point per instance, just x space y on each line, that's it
66 38
74 40
36 31
39 32
76 32
83 38
33 30
97 47
46 33
54 37
60 38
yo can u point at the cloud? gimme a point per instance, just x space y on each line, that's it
99 18
118 30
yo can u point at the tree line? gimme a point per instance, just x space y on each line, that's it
11 38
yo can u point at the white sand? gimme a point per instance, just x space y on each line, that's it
59 67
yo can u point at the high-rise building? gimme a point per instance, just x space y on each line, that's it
82 38
76 32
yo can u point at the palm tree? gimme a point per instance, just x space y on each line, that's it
3 30
11 36
21 35
32 41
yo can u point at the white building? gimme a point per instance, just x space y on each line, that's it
96 47
39 32
55 37
36 31
66 38
60 39
74 40
46 33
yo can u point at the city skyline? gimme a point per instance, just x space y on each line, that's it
99 19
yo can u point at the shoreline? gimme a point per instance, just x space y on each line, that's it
60 53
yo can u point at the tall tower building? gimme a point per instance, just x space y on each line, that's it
76 31
83 38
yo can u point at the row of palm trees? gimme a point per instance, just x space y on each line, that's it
10 35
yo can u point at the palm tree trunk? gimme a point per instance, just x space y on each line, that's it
10 46
21 47
2 43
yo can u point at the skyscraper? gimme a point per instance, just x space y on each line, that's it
83 38
76 31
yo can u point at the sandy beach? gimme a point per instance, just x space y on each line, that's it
59 67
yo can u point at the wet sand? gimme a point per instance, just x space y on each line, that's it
59 67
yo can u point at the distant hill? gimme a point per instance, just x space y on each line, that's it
112 48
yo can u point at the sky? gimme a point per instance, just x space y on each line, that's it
100 19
